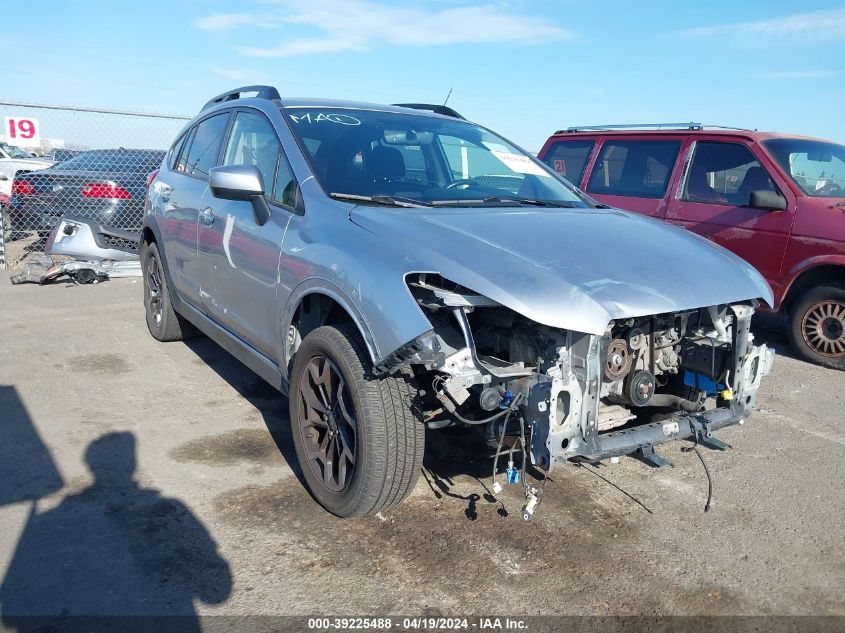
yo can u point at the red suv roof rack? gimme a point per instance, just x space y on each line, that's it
633 126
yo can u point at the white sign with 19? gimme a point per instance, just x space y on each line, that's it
22 131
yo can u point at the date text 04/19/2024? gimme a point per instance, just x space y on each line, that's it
418 623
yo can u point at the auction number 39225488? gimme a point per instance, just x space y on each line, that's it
417 623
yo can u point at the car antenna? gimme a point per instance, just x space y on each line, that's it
445 101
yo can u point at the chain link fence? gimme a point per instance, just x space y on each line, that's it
81 162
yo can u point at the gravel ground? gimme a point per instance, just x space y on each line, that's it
140 477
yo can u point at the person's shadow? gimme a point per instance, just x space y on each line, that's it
114 549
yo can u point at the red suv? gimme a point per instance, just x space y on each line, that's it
777 201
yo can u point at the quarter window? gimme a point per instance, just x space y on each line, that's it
569 158
182 162
724 173
284 189
177 148
204 151
639 169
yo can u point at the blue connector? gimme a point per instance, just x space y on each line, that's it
513 475
506 401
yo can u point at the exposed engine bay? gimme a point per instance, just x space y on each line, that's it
586 397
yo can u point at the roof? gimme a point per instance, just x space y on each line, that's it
300 102
264 94
337 104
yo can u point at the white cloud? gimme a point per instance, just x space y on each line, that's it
228 21
817 24
357 25
800 74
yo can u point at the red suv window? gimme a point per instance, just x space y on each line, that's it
639 169
569 158
724 173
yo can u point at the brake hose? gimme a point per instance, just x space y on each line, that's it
493 417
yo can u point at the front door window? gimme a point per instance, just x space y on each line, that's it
725 173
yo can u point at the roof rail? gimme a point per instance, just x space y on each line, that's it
633 126
262 92
437 109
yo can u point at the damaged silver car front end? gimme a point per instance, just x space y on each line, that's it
584 397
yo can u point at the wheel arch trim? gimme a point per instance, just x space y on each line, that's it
808 267
324 287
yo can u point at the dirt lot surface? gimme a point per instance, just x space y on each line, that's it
155 478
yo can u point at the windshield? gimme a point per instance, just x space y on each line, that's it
815 166
421 159
141 161
15 152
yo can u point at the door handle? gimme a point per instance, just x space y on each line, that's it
207 216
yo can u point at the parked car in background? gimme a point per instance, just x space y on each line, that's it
107 186
13 161
61 154
776 200
388 266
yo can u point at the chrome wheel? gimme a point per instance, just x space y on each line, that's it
823 328
154 290
327 424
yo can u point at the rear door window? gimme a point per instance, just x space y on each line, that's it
204 151
724 173
569 158
639 169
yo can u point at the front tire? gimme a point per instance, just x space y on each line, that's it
162 321
817 326
358 442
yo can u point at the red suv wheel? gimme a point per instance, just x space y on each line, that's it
817 326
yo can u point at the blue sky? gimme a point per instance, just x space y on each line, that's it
522 68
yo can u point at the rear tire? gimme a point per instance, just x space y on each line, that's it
363 452
817 326
162 321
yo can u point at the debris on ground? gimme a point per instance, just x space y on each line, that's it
40 269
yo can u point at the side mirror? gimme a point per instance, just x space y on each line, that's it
768 200
240 182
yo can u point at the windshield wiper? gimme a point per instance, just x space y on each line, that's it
390 201
492 199
532 201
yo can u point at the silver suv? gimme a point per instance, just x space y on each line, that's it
390 268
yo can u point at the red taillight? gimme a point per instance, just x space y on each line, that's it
105 190
150 177
22 188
